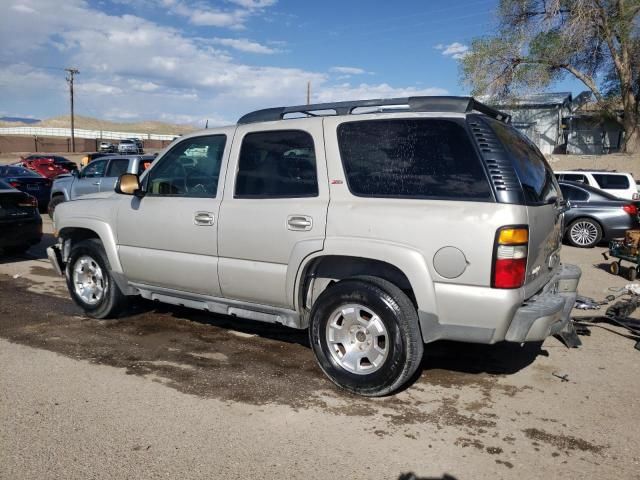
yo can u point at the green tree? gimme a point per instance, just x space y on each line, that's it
538 42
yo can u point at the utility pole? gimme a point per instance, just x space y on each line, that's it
72 72
309 92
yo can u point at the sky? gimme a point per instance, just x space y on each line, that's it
188 61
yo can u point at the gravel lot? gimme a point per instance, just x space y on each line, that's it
169 392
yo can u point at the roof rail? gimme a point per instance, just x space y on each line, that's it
412 104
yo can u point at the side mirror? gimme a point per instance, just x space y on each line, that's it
129 184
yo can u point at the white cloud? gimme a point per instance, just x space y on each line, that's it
136 67
202 15
455 50
348 70
22 8
364 91
244 45
252 4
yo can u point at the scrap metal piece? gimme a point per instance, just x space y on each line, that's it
568 336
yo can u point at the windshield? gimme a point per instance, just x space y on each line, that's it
17 172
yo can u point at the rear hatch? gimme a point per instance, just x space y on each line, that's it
541 195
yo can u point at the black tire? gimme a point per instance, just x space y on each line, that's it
112 300
55 201
395 311
592 233
614 268
632 273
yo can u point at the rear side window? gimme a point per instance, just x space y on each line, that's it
575 177
535 175
277 164
411 158
612 182
117 167
573 193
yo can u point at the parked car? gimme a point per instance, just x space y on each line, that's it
618 184
44 166
99 176
107 147
90 157
138 143
20 222
379 232
127 147
57 159
595 215
27 181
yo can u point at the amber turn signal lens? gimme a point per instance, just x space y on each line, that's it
511 236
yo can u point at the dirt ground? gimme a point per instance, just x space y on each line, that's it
168 392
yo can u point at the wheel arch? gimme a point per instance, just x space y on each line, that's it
402 266
92 229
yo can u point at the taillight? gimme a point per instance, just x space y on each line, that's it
29 202
631 209
510 257
14 184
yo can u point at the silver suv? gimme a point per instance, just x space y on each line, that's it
379 225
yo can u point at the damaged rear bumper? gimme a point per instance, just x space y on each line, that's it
548 312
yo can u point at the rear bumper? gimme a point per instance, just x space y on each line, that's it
548 312
488 315
26 231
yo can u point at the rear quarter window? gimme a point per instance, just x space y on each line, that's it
411 158
536 177
612 182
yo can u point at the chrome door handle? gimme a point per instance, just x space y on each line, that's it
203 218
97 183
299 222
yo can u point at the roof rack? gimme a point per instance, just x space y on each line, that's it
412 104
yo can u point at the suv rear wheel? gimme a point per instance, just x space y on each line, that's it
89 280
365 335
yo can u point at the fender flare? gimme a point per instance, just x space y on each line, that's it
408 260
102 230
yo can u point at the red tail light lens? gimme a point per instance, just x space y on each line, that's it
631 209
510 257
14 184
28 202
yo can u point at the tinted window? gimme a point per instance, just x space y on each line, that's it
17 172
277 164
117 167
190 169
575 177
534 173
573 193
613 182
421 158
94 169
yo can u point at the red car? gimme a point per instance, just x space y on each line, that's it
44 166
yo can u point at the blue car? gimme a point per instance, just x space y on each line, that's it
29 182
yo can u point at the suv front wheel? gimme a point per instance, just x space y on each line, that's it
365 335
89 280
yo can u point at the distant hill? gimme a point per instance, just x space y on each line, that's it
28 121
96 124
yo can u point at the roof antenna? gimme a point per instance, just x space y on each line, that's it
309 92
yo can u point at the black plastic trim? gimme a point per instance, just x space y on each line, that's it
412 104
